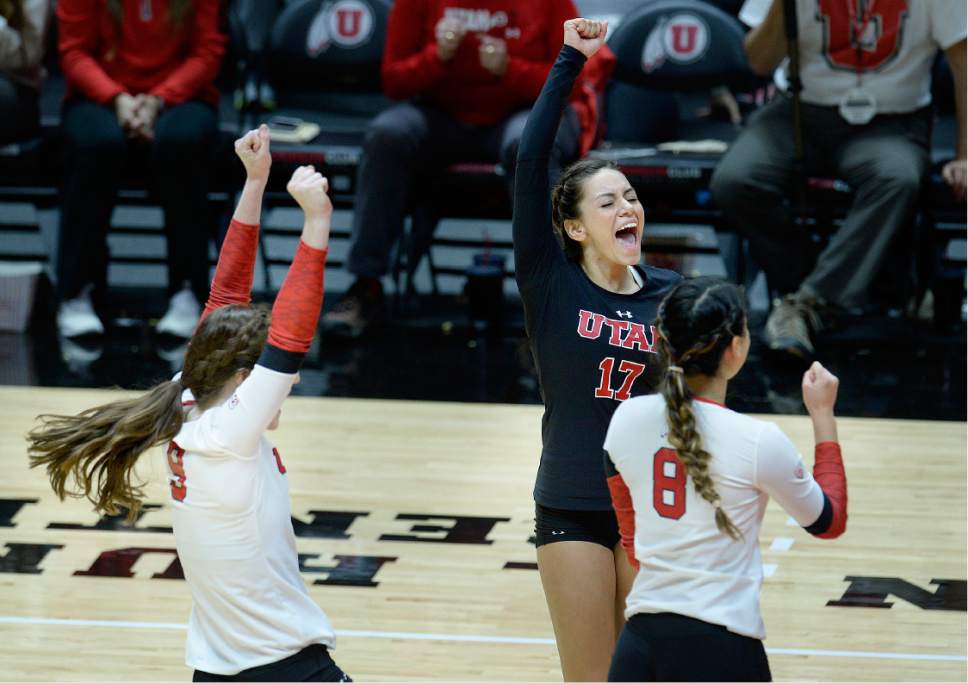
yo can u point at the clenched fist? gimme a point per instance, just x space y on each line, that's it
819 389
253 151
585 35
308 187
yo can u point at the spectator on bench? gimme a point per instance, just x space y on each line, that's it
470 71
139 84
866 71
23 25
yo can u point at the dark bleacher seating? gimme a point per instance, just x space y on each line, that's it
324 67
31 170
671 53
324 63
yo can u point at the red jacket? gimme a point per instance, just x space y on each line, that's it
533 32
147 54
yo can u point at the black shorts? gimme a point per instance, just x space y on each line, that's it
594 526
312 663
671 647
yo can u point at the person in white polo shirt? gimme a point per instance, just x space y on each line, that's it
252 617
866 67
690 480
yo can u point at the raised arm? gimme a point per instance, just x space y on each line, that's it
295 314
534 240
232 283
818 503
296 310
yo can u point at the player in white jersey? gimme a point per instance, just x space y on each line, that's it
690 480
252 617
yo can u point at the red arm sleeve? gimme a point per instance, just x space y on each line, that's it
828 471
203 61
296 310
622 502
78 38
410 64
232 283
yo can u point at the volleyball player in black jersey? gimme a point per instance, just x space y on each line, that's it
589 308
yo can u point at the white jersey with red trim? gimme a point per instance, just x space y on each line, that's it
234 534
898 42
687 565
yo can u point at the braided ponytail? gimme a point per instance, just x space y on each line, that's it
701 315
93 454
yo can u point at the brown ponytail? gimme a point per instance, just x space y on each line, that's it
93 454
701 316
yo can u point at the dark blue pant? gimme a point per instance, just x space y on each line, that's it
19 111
403 147
671 647
99 156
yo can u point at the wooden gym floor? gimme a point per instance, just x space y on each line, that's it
417 516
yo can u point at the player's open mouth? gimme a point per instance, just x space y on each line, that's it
628 234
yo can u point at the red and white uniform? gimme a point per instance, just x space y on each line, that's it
232 522
234 535
687 565
465 89
899 40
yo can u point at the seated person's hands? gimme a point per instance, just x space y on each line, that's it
449 33
125 108
954 174
493 53
147 108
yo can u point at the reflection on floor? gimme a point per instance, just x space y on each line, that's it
891 368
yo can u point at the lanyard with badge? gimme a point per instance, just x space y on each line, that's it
858 106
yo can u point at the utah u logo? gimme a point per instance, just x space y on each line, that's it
346 23
682 39
879 39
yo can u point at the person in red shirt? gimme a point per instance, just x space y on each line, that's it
469 71
140 80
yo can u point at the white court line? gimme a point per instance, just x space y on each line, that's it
769 570
781 544
401 635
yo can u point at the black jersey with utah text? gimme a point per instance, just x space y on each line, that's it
592 348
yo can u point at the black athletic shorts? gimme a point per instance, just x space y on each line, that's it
594 526
671 647
312 663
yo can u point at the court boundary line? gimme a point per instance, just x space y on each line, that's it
403 635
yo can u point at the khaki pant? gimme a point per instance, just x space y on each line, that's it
884 162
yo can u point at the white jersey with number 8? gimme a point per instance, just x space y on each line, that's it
687 565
